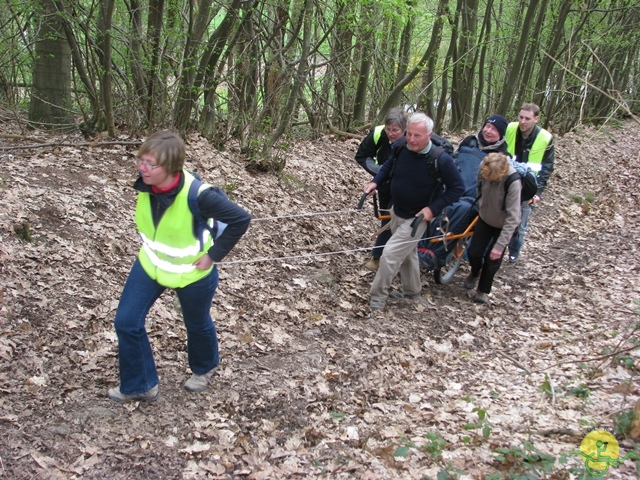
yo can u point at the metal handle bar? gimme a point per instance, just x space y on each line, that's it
361 202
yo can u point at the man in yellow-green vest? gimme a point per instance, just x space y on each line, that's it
529 143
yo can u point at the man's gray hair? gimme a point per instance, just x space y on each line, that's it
396 116
419 117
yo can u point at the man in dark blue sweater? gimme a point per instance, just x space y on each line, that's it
416 190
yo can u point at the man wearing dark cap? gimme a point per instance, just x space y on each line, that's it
533 145
472 149
490 138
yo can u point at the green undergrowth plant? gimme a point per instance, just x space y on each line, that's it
586 197
404 448
522 462
229 189
622 423
567 389
291 181
482 427
433 446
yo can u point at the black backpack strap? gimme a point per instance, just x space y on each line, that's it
200 222
507 183
431 157
434 156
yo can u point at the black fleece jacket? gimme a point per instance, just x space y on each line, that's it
413 186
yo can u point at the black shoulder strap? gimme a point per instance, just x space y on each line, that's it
395 153
431 157
200 222
507 183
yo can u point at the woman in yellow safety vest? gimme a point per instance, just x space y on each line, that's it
172 255
373 151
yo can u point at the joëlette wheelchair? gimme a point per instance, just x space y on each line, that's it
445 247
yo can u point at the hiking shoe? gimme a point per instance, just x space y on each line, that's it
404 295
198 383
372 264
149 396
377 304
513 258
481 297
471 281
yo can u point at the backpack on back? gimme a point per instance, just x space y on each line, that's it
215 228
439 141
528 179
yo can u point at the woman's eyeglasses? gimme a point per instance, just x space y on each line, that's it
141 163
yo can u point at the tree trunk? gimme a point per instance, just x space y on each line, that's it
425 99
431 51
368 46
462 86
79 63
298 81
136 54
547 64
485 36
403 63
51 95
442 103
154 27
512 76
104 53
526 90
341 66
195 80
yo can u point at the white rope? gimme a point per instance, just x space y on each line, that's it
311 255
310 214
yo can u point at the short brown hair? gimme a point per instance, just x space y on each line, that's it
494 166
168 148
531 107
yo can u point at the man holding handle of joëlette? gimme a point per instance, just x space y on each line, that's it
417 173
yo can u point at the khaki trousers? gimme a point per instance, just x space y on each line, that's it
400 255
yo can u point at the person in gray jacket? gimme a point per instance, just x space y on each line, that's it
498 218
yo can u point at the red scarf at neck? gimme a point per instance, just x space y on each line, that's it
174 184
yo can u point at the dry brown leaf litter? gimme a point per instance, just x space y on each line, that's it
310 384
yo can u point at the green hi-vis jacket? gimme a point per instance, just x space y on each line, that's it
170 248
533 157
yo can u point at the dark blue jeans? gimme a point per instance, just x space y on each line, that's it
137 368
515 245
482 242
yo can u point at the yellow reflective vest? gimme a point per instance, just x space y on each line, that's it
537 150
170 248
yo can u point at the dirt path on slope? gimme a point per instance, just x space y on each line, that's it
310 384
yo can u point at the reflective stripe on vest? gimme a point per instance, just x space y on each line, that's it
377 133
169 249
164 265
537 150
